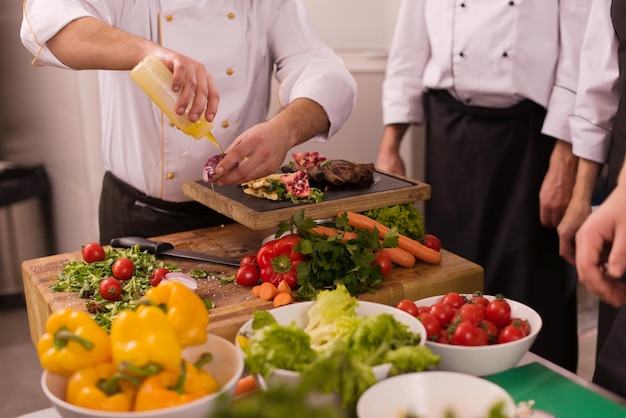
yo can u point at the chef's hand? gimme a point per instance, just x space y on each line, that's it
556 189
576 213
389 158
261 150
195 84
601 250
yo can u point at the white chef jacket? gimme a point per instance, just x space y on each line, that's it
597 98
240 43
486 53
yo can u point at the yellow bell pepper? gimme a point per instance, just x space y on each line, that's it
73 340
171 388
143 342
185 311
103 388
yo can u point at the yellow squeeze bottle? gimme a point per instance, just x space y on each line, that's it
156 80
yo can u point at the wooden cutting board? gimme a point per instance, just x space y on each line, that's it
257 213
234 304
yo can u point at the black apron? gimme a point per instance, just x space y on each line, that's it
486 167
610 369
125 211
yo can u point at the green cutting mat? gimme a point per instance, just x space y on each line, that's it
555 393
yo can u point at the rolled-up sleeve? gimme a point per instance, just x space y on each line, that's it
573 16
307 68
42 19
597 95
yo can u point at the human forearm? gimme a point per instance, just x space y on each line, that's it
302 119
88 43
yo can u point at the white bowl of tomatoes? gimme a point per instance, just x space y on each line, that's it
477 334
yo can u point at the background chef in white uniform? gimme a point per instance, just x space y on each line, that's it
494 83
223 55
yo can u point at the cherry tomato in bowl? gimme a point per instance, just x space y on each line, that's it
408 306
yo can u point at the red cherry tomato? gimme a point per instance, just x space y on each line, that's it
491 329
93 252
470 312
247 275
499 311
384 261
123 268
522 324
479 300
431 324
248 259
468 334
432 241
443 337
444 313
453 299
422 309
408 306
510 333
110 288
157 275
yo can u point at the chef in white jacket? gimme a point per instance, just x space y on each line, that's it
223 55
494 83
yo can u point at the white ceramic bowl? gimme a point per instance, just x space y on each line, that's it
226 367
431 394
489 359
297 313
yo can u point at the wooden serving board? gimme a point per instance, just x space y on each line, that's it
257 213
234 304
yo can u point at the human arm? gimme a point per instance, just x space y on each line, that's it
556 189
578 208
601 247
389 158
82 40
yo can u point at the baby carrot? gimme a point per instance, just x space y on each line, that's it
283 287
282 299
245 385
357 220
255 290
400 256
267 291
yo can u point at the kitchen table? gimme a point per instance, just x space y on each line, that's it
234 304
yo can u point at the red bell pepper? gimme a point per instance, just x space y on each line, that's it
278 260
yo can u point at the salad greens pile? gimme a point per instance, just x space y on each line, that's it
345 349
84 278
406 217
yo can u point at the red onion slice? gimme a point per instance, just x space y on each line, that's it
182 278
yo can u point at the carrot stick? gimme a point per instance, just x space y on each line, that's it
282 299
400 256
267 291
245 385
331 232
357 220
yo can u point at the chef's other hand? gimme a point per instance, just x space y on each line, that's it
257 152
195 84
601 250
261 150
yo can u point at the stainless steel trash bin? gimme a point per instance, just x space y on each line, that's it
24 224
